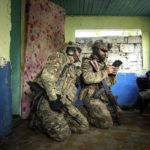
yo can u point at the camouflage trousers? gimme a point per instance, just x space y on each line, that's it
58 126
100 114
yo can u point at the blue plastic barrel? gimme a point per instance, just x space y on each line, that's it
5 101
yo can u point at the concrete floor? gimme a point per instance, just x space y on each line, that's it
132 134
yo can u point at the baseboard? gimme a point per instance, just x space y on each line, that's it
127 107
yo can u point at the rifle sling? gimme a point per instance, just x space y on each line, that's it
62 74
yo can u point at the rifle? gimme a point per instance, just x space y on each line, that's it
39 93
111 98
56 105
116 63
105 88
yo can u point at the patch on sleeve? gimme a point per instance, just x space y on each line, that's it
85 63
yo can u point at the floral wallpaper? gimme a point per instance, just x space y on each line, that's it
45 34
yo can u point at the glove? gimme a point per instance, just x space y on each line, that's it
57 105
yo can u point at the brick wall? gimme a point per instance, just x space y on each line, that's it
127 49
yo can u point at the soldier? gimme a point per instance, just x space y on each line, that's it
56 116
94 70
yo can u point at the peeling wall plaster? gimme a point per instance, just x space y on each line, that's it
3 62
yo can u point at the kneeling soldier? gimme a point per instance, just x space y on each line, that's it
55 115
97 78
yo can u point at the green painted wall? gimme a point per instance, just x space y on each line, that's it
15 55
103 22
5 27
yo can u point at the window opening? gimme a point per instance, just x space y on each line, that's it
126 45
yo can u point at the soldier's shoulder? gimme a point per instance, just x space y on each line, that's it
55 57
86 59
86 62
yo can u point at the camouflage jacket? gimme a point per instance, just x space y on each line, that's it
91 78
50 75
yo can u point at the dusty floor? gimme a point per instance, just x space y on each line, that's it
132 134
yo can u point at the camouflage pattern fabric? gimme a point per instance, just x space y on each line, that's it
101 45
58 126
50 122
100 113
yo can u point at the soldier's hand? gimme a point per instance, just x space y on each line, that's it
115 70
57 104
110 69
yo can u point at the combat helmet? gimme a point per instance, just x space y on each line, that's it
100 45
70 49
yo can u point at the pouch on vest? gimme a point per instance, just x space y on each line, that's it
83 93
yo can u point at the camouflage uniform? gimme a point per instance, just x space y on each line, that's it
58 126
100 113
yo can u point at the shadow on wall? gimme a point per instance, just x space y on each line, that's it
125 88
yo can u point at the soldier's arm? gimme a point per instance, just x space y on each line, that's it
78 71
89 76
49 77
111 80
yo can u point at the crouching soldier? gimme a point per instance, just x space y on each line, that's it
55 115
97 77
